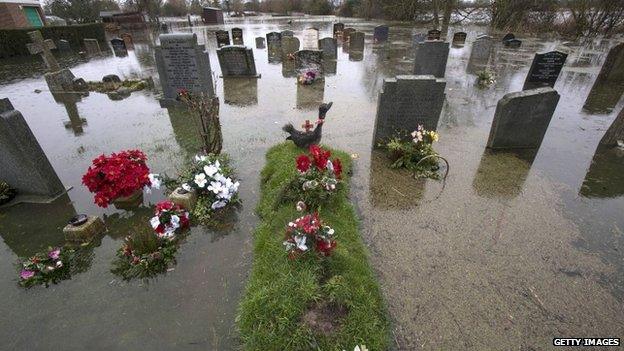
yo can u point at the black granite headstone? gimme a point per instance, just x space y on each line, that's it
545 70
223 38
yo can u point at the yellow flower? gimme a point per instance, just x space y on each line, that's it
434 136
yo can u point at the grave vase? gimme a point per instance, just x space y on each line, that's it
129 202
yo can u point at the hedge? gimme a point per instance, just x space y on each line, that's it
13 41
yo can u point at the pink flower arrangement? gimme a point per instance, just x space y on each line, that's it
45 267
308 233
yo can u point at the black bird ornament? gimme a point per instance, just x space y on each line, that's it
306 138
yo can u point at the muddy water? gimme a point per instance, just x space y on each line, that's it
511 251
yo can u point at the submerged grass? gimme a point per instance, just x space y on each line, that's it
280 291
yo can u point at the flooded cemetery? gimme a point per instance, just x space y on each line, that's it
516 236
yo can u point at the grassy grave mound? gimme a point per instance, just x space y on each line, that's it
309 303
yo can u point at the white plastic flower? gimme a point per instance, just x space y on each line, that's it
330 166
211 170
330 231
155 222
300 241
175 221
218 204
155 180
186 187
199 158
200 180
59 264
216 187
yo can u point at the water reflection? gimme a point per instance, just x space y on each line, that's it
69 100
289 68
329 67
309 97
393 188
240 91
184 129
501 174
605 174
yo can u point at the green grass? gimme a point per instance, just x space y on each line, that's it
280 290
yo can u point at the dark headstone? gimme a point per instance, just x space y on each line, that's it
259 43
615 133
431 58
63 45
237 61
609 85
274 45
480 53
111 78
356 41
287 33
119 47
380 33
223 38
24 165
522 118
545 70
290 45
346 33
329 46
406 102
338 28
508 36
513 43
92 47
306 60
434 34
237 36
459 38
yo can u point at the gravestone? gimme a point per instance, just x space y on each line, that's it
434 34
480 53
24 165
63 45
508 36
513 43
92 47
406 102
274 44
306 60
288 33
310 39
356 41
418 38
127 38
237 61
459 38
521 119
346 33
237 36
380 33
609 85
119 47
223 38
259 43
329 47
290 45
615 133
431 58
545 70
43 48
182 64
338 28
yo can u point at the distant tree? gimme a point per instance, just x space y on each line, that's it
216 3
151 7
195 7
174 8
79 11
236 6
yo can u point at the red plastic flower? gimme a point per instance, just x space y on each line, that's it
337 167
324 247
303 163
320 156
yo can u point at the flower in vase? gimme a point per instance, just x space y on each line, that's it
200 180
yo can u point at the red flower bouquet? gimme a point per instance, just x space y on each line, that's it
118 175
309 233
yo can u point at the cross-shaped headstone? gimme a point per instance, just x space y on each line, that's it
42 47
307 126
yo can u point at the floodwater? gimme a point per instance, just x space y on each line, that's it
513 250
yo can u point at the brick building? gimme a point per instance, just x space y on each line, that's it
15 14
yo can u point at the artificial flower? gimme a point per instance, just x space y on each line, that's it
200 180
54 254
303 163
26 274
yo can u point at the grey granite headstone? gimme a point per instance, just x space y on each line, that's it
182 64
290 45
480 53
237 36
431 58
521 119
43 48
309 60
434 34
406 102
459 38
609 85
63 45
545 70
337 30
288 33
615 133
223 38
92 47
356 41
329 47
380 34
310 39
119 47
236 61
24 165
346 33
274 45
259 43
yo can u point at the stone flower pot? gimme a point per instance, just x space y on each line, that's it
129 202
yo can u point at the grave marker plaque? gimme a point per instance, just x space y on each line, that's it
310 39
356 41
182 64
406 102
431 58
290 45
306 60
237 36
459 38
480 53
92 47
236 61
223 38
521 119
338 28
434 34
545 70
259 43
329 46
380 33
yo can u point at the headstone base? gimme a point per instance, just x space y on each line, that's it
85 232
62 80
187 200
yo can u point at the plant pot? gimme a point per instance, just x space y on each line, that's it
129 202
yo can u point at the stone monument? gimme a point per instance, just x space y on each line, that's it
545 70
237 61
92 47
223 38
237 36
259 43
380 33
609 85
431 58
119 47
309 60
290 45
57 79
356 41
310 39
480 53
337 30
434 34
406 102
459 38
329 47
522 118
